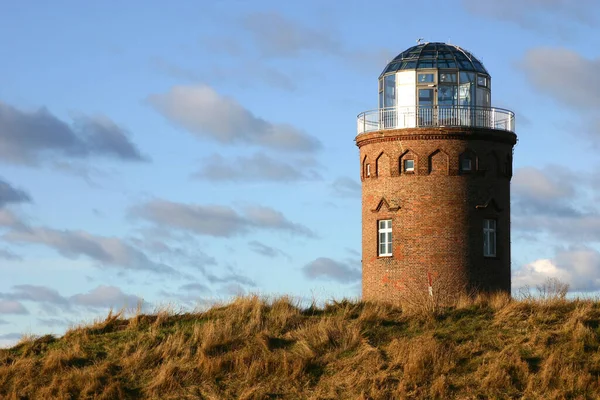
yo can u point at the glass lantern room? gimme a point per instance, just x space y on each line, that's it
434 74
435 85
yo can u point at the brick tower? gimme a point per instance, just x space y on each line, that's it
436 164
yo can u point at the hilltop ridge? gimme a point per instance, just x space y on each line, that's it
252 348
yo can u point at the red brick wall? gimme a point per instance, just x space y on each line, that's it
438 227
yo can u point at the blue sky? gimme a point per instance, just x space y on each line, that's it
184 153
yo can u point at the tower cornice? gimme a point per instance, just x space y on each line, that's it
437 133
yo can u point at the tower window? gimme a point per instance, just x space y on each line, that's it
489 238
385 238
368 171
466 165
409 165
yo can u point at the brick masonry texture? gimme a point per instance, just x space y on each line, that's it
437 211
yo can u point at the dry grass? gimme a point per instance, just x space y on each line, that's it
482 347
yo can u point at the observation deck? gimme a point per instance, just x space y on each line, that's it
435 116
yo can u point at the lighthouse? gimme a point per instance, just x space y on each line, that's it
435 166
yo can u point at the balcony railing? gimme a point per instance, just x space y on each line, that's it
435 116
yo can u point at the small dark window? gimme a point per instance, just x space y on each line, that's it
466 165
409 165
489 238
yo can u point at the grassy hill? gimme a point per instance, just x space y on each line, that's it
490 347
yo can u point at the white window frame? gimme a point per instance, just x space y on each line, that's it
411 169
384 238
489 237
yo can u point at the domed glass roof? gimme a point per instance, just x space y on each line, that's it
435 55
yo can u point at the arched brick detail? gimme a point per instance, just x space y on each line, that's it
470 154
382 165
438 163
492 164
408 155
363 173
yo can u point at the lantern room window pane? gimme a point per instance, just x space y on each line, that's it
425 78
447 77
389 89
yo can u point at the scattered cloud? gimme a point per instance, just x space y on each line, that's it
326 268
233 289
576 87
12 307
9 194
3 322
207 114
346 187
8 219
544 191
36 294
11 336
28 137
546 16
232 277
215 220
276 35
194 287
268 218
9 255
264 250
258 167
88 173
253 73
55 322
104 297
578 266
108 251
100 297
545 200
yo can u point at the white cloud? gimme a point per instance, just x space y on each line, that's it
577 266
207 114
